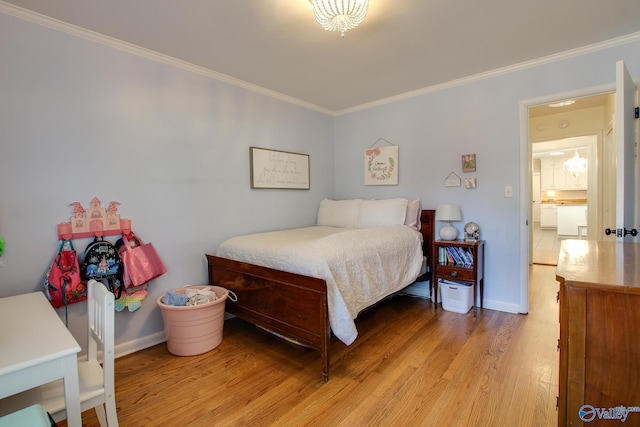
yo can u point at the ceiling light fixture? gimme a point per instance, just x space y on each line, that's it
340 15
562 103
576 165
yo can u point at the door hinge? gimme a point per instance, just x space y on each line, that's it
637 112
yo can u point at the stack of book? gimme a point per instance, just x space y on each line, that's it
453 255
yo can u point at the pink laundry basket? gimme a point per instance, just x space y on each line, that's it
195 329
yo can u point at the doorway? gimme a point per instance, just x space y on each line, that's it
557 130
563 200
534 130
619 153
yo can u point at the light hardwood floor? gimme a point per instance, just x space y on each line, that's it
412 365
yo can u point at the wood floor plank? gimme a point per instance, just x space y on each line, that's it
410 365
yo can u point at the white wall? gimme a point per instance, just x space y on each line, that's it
79 119
480 116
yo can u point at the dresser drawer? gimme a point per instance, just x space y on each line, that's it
454 273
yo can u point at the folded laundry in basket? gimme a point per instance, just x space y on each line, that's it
201 296
175 298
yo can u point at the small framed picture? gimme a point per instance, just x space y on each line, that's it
470 183
469 163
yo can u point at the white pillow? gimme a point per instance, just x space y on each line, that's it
413 214
338 213
378 213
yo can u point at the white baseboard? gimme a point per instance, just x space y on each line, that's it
140 344
501 306
146 342
423 290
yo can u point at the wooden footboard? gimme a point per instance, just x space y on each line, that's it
289 304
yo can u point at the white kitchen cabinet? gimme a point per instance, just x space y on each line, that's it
547 181
554 177
569 217
575 183
548 215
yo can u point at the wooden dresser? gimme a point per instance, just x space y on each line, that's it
599 332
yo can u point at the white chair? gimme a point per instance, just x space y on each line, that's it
97 388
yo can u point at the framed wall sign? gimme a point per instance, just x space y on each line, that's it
452 180
274 169
381 166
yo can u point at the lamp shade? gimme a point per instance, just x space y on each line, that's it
448 213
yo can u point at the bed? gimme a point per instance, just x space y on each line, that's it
297 292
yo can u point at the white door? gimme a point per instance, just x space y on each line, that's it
608 196
625 155
536 196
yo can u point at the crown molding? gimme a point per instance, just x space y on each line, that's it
74 30
619 41
93 36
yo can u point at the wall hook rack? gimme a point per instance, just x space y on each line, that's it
95 221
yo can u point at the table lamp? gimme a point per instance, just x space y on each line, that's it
448 213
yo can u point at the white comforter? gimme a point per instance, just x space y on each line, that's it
360 265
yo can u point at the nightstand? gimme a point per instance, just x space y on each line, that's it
459 261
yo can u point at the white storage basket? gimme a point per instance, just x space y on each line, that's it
456 297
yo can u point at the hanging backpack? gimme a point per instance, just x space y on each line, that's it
62 283
102 262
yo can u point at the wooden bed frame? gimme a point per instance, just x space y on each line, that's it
291 305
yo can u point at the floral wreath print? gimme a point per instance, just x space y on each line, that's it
387 171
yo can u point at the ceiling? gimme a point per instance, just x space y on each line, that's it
402 46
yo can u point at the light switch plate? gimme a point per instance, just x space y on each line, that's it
508 191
